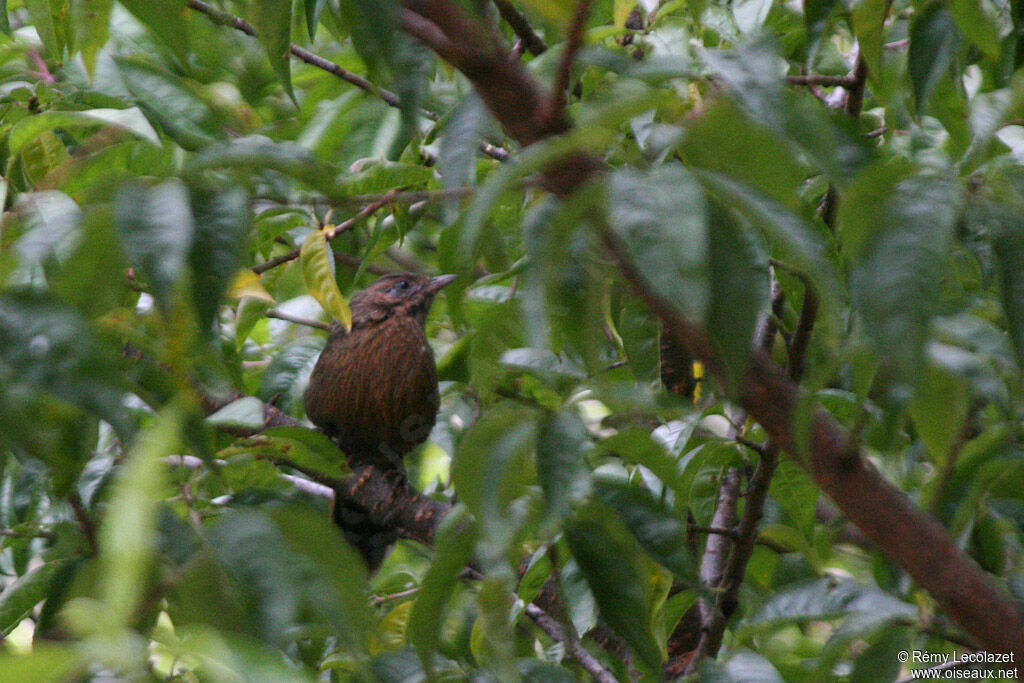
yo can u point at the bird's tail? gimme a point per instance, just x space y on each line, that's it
370 538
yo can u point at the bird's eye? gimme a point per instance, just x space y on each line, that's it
400 288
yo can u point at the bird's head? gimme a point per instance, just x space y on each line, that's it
398 294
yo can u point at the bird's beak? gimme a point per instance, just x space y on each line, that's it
437 283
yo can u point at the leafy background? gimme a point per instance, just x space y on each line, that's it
185 184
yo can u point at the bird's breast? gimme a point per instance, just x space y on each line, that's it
377 389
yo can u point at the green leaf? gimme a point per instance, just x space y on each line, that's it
171 102
246 412
46 663
895 284
608 556
977 25
92 28
47 22
661 219
47 347
375 177
557 12
259 152
92 279
659 530
288 373
868 18
827 598
453 549
129 524
22 595
167 19
373 27
726 141
796 493
816 14
43 157
880 661
457 159
743 665
634 444
934 40
330 574
834 144
739 291
796 242
491 470
51 231
218 244
313 8
131 120
562 443
542 363
939 410
1008 246
157 228
309 450
281 567
318 273
273 22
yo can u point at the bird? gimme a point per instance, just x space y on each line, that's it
374 391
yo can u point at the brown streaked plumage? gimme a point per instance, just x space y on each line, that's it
374 388
374 391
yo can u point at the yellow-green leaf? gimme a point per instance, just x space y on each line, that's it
622 8
318 273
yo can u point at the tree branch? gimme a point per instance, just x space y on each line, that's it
555 631
820 79
307 322
886 515
345 226
572 46
386 500
533 43
391 99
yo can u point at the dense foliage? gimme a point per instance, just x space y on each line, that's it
831 194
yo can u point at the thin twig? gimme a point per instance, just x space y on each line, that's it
805 325
555 631
572 46
298 320
238 23
853 104
87 523
731 533
533 43
38 533
821 80
344 226
392 597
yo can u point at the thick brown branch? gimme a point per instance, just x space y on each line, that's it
505 85
886 515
